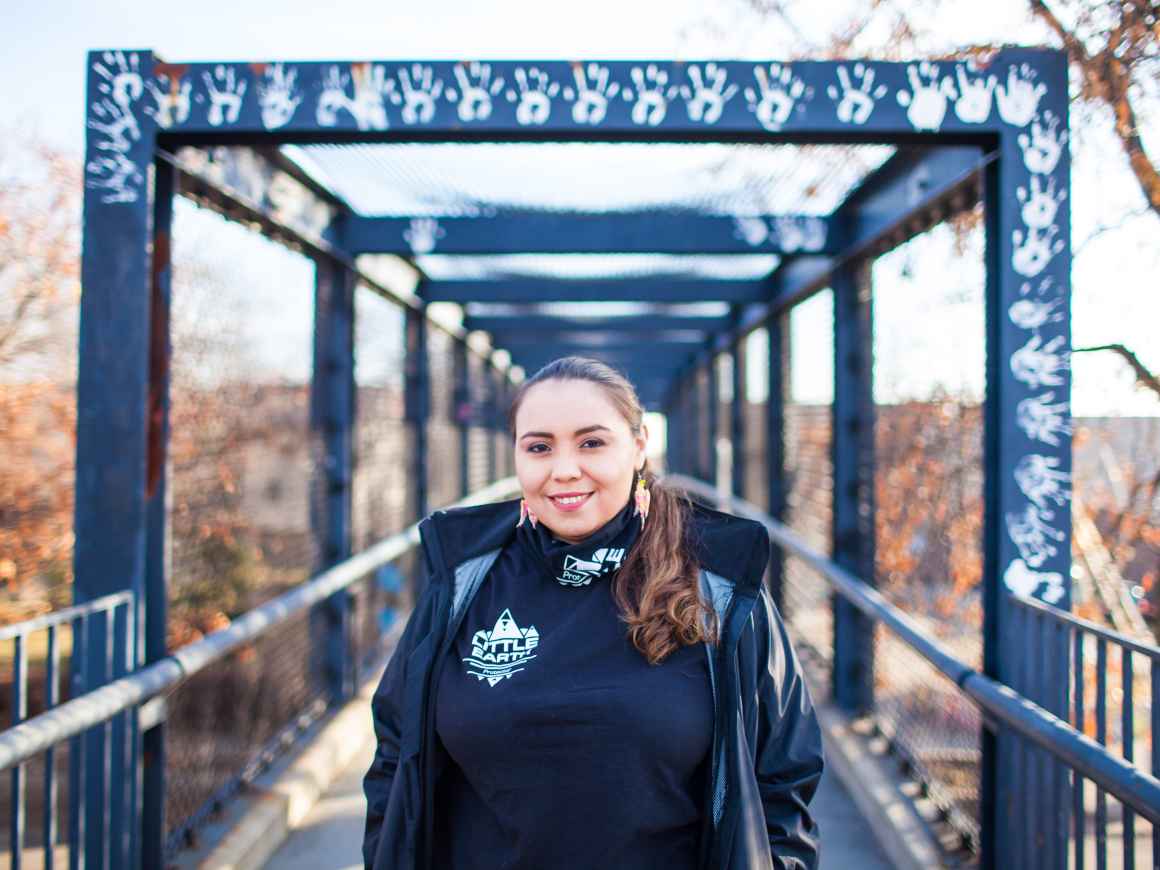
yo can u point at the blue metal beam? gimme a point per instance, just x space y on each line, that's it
629 290
544 324
661 232
595 340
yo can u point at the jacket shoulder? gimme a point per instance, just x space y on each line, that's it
733 547
465 532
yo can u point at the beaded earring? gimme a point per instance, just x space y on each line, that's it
526 514
643 499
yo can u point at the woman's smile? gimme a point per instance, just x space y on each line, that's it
569 501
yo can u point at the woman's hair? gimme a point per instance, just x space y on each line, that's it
658 587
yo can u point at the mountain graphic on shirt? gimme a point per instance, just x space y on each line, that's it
503 651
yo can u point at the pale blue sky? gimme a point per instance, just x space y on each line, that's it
1115 297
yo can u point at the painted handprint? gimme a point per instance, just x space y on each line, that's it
593 91
800 234
420 90
1043 148
535 91
974 103
115 121
707 93
856 101
366 106
476 90
1021 580
776 95
1032 535
1039 365
120 75
1041 420
1019 99
752 230
225 90
651 104
1040 202
1034 250
926 102
1030 314
277 96
423 234
171 102
1040 479
115 174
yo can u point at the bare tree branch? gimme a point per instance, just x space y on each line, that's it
1143 376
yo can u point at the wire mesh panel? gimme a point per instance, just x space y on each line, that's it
756 484
809 482
723 437
442 430
929 502
479 442
242 467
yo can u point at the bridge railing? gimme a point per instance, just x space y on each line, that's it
1053 836
137 695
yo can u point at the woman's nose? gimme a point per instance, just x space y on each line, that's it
565 468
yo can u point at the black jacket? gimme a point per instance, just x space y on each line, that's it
767 747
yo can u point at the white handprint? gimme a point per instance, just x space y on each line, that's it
1028 314
974 103
856 102
1041 203
423 234
926 107
1019 100
115 121
1039 478
121 77
705 99
1038 365
1021 580
593 91
535 91
333 96
1032 535
1033 253
115 173
1043 148
277 96
420 90
370 86
651 103
753 230
776 95
225 91
171 100
476 89
800 234
1041 420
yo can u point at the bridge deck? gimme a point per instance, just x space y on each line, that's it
329 838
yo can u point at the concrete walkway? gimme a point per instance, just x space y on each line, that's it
330 837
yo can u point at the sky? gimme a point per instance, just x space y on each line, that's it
928 323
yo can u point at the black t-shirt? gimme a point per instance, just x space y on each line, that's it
568 749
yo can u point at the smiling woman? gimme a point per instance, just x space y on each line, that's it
595 675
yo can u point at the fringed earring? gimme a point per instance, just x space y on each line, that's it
526 514
643 499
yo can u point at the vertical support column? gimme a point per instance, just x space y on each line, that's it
461 413
776 327
116 338
147 846
737 407
1027 449
700 431
490 413
711 417
852 454
332 412
416 401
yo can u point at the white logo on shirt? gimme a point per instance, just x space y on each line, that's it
501 652
580 572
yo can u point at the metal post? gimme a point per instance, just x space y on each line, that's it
461 413
149 782
490 412
711 425
332 413
1026 425
113 404
417 399
737 407
852 454
776 327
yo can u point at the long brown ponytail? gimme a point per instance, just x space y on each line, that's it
658 588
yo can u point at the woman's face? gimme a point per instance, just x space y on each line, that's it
575 457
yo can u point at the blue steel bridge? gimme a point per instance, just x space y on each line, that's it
245 548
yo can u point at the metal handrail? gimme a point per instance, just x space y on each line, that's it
1153 652
66 614
1084 755
23 741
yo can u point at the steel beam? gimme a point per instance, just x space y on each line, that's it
659 232
597 340
539 324
572 290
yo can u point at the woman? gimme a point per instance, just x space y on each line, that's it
594 675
